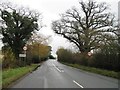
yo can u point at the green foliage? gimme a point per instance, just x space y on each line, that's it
67 56
95 70
10 75
36 59
0 79
38 52
107 57
9 60
17 28
38 49
1 57
106 60
64 55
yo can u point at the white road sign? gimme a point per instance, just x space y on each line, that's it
22 55
25 48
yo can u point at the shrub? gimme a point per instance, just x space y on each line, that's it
36 59
106 61
65 55
9 60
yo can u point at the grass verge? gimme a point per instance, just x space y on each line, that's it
112 74
0 79
11 75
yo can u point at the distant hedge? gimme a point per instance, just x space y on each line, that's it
98 60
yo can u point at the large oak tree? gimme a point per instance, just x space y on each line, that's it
16 26
88 27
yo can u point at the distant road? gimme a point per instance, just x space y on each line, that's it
53 74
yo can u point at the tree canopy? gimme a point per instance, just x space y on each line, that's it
16 27
38 47
89 27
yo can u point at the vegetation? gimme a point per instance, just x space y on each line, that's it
93 30
10 75
112 74
1 57
17 26
38 49
101 60
0 79
88 28
9 60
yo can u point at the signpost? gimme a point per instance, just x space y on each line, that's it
22 55
89 54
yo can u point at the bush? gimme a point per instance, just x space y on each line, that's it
65 55
104 60
68 56
35 59
80 58
9 60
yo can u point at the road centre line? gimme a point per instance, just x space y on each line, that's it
57 68
78 84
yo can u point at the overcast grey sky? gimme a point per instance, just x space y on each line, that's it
51 9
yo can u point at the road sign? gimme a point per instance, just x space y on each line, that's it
89 53
24 48
22 55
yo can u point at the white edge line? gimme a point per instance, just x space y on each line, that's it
78 84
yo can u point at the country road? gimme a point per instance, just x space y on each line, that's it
52 74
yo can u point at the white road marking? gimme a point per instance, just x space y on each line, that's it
45 82
78 84
54 65
57 68
62 70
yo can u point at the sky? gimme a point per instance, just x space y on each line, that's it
51 10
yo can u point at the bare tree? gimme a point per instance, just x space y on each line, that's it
87 28
39 38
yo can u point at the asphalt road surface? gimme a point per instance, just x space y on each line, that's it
52 74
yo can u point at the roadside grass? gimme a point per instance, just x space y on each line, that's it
1 57
112 74
0 79
0 61
11 75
